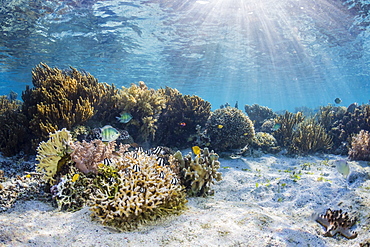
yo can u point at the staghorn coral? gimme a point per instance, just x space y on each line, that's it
53 154
178 122
137 190
360 146
60 99
310 137
13 127
258 114
198 174
337 222
229 128
145 105
287 123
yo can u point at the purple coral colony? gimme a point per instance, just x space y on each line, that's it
116 150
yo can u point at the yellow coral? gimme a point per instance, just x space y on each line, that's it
52 153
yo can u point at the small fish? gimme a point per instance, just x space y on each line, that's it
220 126
100 165
196 150
107 162
135 155
142 190
75 177
182 124
136 168
161 161
342 167
157 150
28 175
337 101
140 149
109 134
276 127
161 174
174 180
125 117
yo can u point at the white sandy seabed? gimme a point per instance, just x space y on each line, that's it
266 201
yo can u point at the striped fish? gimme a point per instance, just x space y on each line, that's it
135 155
174 180
107 162
136 168
140 149
157 150
161 161
161 174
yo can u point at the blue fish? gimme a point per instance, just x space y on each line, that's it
125 117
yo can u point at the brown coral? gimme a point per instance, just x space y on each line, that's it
60 99
287 123
360 146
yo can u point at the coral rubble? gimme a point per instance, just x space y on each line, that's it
229 128
198 174
337 222
360 146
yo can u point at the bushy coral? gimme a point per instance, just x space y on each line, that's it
13 127
229 128
198 174
265 142
145 105
258 114
53 154
287 123
360 146
138 190
310 137
60 99
178 122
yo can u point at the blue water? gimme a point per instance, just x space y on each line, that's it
278 53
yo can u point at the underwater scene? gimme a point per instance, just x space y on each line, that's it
185 123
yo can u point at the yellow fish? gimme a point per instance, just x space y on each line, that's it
75 177
28 175
220 126
196 150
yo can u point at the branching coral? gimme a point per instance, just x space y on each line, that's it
138 190
198 174
229 128
53 154
60 99
258 114
360 146
178 121
145 105
287 123
13 127
310 137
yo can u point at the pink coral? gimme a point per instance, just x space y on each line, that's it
360 146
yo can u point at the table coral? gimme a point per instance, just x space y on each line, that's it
360 146
136 191
229 128
198 174
53 154
337 222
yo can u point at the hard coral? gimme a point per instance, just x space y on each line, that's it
360 146
178 122
138 190
287 123
258 114
198 174
310 137
60 99
13 127
53 154
337 222
229 128
145 105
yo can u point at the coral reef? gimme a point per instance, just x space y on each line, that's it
287 123
310 137
198 174
258 114
337 222
13 127
60 99
178 122
360 146
265 142
229 128
136 190
54 154
145 105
